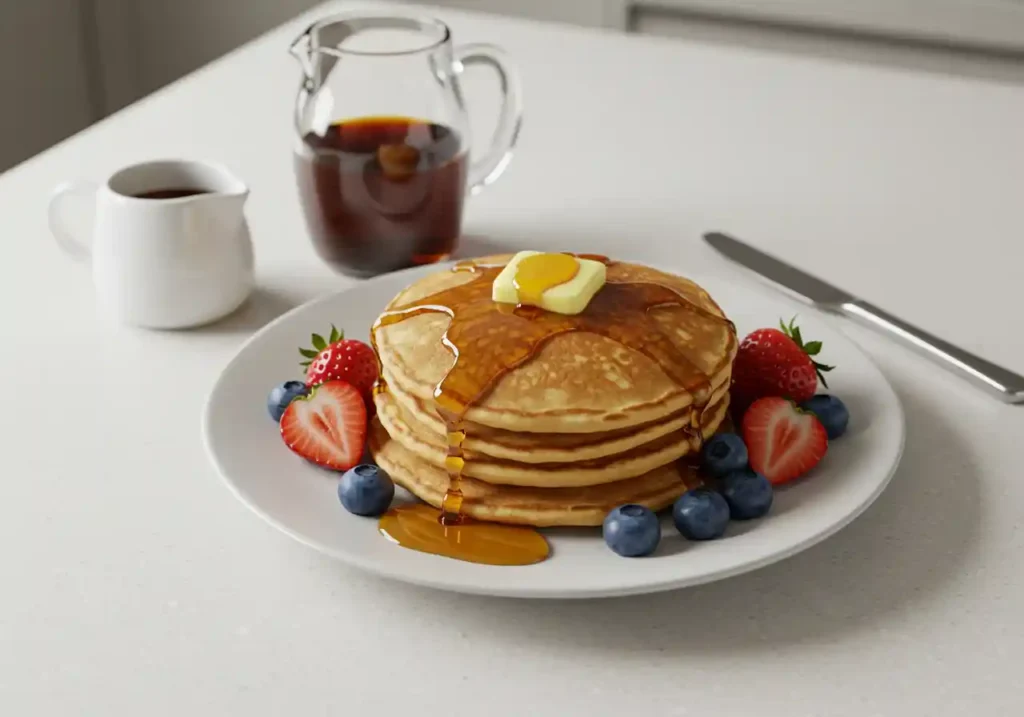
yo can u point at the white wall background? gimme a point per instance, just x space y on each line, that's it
66 63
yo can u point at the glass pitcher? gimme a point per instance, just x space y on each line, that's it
382 157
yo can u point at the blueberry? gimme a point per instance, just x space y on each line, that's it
366 490
632 530
701 514
748 494
830 411
282 394
724 453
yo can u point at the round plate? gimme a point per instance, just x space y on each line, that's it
301 499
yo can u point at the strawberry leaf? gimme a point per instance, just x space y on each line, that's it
821 369
811 348
320 343
792 331
305 364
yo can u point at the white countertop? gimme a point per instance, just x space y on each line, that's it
133 583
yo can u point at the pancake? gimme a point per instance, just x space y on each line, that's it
540 507
556 419
423 420
575 382
635 458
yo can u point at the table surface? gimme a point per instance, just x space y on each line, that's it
134 583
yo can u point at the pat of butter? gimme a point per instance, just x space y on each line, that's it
570 297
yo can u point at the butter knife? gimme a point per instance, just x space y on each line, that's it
999 382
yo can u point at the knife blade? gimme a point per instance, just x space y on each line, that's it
995 380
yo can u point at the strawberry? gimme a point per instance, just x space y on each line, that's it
774 362
341 359
783 441
327 427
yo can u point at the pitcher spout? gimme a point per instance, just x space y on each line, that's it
227 205
230 188
222 186
230 204
301 49
221 197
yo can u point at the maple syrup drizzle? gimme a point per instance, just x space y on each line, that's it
618 312
454 462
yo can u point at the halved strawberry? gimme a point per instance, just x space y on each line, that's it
327 427
783 441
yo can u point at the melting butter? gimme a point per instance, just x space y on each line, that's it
559 283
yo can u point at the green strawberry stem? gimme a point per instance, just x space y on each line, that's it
811 348
319 344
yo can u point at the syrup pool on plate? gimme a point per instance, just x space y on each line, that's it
419 527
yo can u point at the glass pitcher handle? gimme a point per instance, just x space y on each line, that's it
490 166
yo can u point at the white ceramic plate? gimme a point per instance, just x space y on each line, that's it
301 499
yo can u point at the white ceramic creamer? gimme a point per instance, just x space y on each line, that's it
168 243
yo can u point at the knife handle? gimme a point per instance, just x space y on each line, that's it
1002 383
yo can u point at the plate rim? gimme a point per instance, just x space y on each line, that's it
532 592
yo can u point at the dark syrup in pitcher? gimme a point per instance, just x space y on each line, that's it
382 193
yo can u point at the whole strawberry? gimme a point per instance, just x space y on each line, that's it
776 362
339 359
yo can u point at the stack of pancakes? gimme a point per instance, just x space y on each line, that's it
584 425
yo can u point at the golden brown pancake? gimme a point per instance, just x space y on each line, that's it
540 507
577 382
636 458
581 423
423 420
